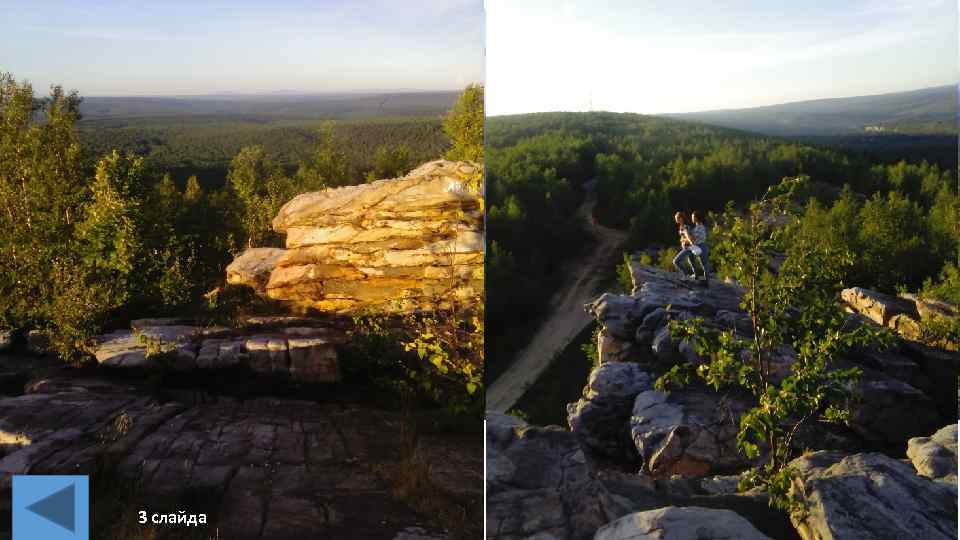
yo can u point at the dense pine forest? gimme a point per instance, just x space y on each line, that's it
204 145
892 203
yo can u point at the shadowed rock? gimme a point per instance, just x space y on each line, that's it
600 418
266 468
541 484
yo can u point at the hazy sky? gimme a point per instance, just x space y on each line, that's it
168 47
680 56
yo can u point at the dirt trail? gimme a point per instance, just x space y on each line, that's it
567 317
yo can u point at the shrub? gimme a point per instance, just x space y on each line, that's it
798 308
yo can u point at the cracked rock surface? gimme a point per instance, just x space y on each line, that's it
269 468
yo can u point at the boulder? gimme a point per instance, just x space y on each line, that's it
878 307
689 432
253 267
680 523
891 411
600 418
611 349
540 484
312 359
870 496
121 348
905 325
620 315
936 456
891 362
393 246
931 307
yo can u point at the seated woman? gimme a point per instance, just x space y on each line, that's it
686 242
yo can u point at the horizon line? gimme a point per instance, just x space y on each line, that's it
879 94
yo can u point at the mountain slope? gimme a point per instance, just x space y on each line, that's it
928 110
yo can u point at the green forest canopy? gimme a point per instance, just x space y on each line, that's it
900 211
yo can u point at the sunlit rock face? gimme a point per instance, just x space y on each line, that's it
391 246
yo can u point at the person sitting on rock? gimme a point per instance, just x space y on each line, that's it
686 243
699 237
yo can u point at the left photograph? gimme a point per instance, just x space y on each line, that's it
241 270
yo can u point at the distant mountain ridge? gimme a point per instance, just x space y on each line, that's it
924 111
273 106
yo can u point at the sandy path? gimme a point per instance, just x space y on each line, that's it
567 317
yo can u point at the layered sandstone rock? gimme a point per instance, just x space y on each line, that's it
274 346
253 268
391 246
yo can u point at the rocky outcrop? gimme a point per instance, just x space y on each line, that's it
936 456
284 346
906 391
541 484
675 523
544 482
600 418
634 328
904 314
689 433
396 245
870 496
261 468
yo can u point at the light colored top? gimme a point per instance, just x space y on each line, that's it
699 234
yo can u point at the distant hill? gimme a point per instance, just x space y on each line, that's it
272 106
925 111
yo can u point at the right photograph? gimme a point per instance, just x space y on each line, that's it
722 270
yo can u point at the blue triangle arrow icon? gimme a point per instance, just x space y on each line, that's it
57 508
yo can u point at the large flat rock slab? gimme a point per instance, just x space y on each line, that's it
269 468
